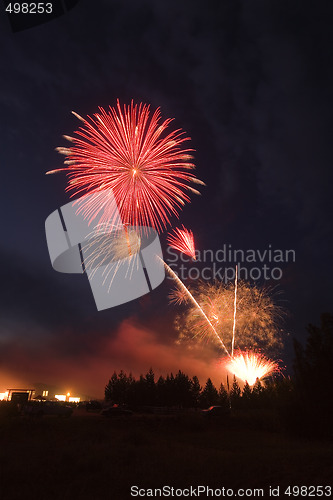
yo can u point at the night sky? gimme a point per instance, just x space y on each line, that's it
250 83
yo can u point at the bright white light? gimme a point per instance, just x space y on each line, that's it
60 397
74 400
3 396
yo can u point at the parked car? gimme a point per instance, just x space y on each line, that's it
47 408
94 405
216 411
114 411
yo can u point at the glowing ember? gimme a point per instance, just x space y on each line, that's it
182 241
249 365
112 247
145 166
127 243
178 297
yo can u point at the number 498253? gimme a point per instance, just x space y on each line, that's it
29 8
308 491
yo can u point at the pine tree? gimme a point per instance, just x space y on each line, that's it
235 394
314 362
258 394
150 388
313 367
247 392
246 395
109 388
195 391
122 387
209 395
223 398
150 378
169 390
160 392
118 388
257 388
131 395
183 390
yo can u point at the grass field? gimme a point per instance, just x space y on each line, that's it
88 456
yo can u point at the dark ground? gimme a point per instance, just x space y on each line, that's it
89 456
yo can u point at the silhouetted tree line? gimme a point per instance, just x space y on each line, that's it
173 390
184 392
308 409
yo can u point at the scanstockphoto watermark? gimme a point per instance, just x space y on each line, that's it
198 491
252 264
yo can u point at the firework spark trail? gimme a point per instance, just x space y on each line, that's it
183 241
136 158
257 316
197 305
235 310
250 366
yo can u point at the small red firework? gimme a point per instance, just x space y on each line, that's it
124 155
182 241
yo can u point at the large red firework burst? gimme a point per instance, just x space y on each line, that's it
125 152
